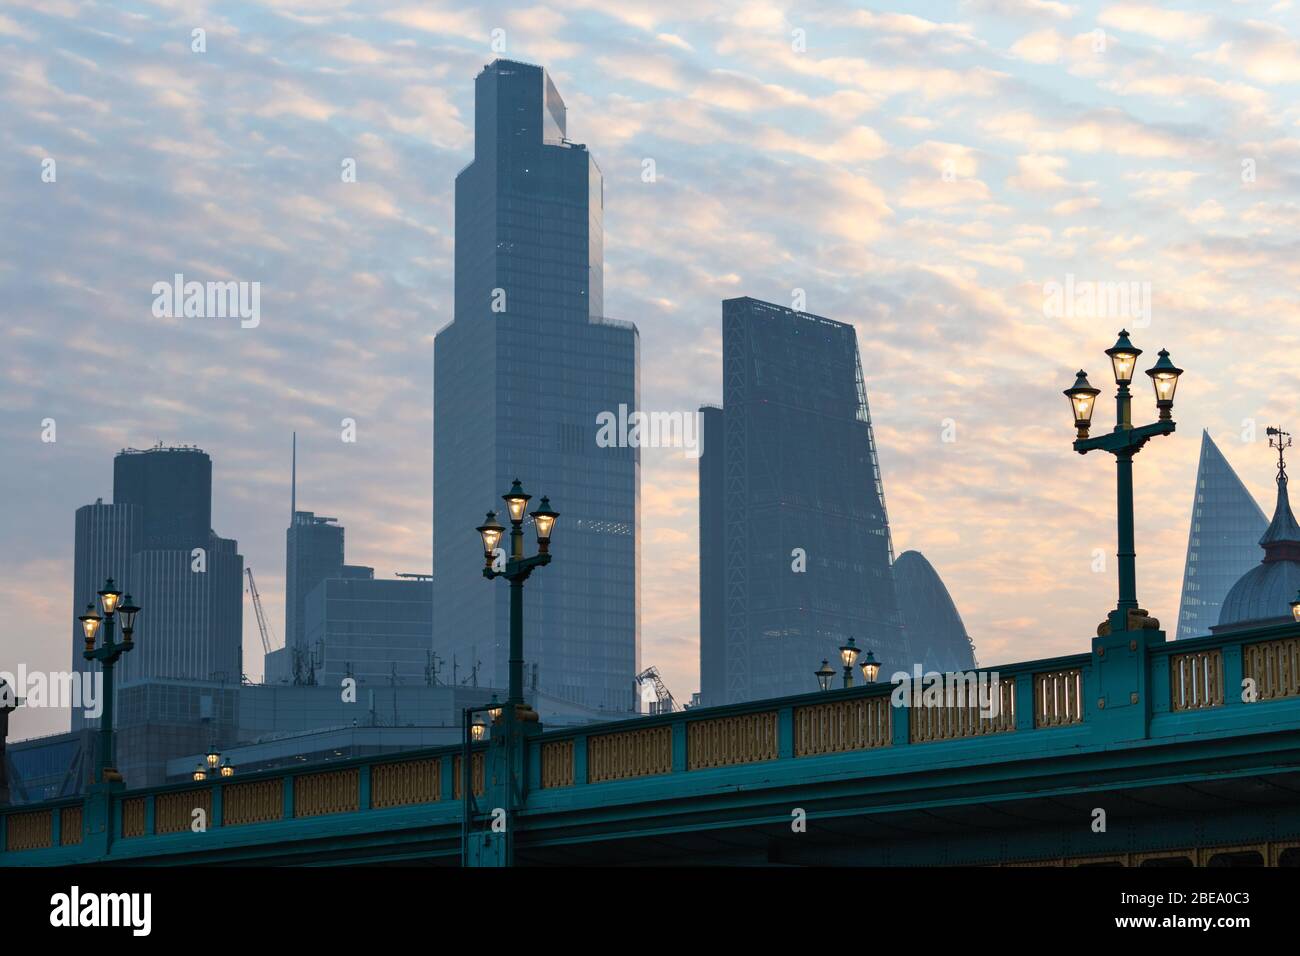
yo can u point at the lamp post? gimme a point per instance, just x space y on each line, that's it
517 569
108 652
216 767
848 657
1124 441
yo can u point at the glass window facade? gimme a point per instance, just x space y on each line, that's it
798 470
520 377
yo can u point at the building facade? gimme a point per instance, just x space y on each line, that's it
521 376
374 631
804 544
1222 541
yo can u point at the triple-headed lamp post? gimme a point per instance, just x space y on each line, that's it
516 569
110 599
1124 441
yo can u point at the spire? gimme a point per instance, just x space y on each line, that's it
1281 542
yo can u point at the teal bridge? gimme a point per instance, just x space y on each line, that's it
1187 751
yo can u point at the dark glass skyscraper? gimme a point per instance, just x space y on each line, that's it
157 542
520 376
1222 543
935 633
802 559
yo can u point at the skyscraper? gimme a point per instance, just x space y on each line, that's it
936 635
1222 543
520 376
156 541
802 559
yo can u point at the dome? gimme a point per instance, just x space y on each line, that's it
1264 594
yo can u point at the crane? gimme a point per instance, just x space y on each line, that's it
262 626
664 703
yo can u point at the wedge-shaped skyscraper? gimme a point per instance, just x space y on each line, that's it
795 552
1223 543
520 378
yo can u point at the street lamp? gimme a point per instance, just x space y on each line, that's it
1295 607
870 667
848 657
1125 441
111 603
825 675
517 570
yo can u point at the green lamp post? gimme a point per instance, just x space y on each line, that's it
1124 441
517 569
107 654
848 657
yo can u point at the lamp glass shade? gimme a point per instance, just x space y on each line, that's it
490 531
870 667
109 597
1123 358
214 759
478 731
1164 377
90 622
1083 399
849 653
199 773
1295 608
825 675
516 501
544 519
126 612
227 770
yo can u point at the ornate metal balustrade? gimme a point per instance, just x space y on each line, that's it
404 783
1058 698
1274 666
630 754
841 726
1196 679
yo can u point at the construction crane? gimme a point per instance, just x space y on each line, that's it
664 703
262 626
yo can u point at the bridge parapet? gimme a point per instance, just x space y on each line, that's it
1133 687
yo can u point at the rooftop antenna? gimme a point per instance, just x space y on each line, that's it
293 489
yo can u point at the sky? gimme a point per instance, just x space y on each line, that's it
929 172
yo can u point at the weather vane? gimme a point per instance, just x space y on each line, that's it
1281 441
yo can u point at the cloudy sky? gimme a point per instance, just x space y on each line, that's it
925 171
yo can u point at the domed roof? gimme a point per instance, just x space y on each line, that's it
935 633
1265 592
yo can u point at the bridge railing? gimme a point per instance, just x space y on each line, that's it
1153 689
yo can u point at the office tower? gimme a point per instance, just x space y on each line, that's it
713 638
520 377
156 541
935 633
377 632
1222 544
313 553
804 547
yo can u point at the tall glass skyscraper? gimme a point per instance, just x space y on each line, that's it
1222 543
802 558
935 632
520 376
157 542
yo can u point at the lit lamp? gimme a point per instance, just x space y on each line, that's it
848 657
227 769
825 675
214 759
870 667
1082 398
491 531
478 730
544 519
109 598
90 622
1295 607
495 710
1123 358
1164 376
199 772
516 501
